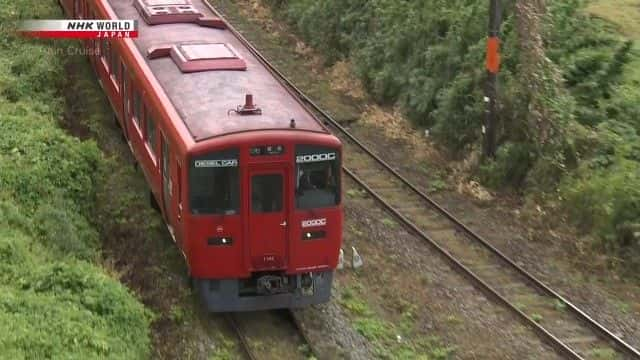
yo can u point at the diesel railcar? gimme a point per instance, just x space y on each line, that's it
246 178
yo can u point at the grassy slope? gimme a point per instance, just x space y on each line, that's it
602 194
56 301
624 13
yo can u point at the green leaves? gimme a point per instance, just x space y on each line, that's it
56 302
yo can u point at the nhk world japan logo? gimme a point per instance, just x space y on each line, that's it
80 29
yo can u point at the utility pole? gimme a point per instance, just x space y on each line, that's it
493 67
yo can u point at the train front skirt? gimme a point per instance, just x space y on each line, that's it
265 291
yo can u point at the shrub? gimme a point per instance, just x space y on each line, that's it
604 196
427 57
511 166
54 302
67 232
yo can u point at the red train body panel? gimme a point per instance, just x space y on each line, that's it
251 197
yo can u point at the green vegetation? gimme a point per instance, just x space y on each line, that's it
559 305
391 341
568 127
536 317
57 302
604 354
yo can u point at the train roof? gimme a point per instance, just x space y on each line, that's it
205 99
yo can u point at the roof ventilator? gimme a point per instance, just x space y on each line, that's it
200 56
249 108
156 12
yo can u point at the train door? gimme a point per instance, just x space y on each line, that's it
268 218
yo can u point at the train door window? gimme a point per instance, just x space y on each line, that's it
266 193
214 185
150 134
317 177
137 108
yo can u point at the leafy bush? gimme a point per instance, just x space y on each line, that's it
511 166
604 196
67 232
55 303
427 57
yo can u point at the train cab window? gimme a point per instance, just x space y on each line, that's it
150 133
214 184
317 177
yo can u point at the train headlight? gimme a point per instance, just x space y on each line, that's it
220 241
314 235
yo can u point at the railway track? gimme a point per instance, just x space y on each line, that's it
242 338
250 352
568 329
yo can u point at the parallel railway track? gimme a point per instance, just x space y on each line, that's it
568 329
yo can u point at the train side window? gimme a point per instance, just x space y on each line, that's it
179 172
150 133
77 9
115 69
179 178
104 51
214 184
137 108
126 101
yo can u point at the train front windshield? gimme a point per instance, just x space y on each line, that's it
317 177
215 185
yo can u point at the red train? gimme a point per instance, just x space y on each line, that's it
250 193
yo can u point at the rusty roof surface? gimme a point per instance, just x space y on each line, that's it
203 99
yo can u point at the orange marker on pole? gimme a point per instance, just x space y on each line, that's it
493 54
491 91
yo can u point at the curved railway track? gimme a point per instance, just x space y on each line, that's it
245 343
568 329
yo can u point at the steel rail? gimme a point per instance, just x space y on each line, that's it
312 349
294 90
486 288
243 339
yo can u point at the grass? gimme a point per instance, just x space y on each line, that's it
559 305
390 340
603 354
57 301
624 13
225 350
389 222
537 318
